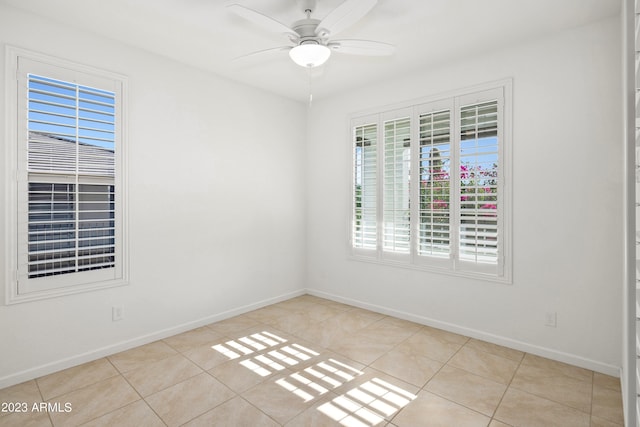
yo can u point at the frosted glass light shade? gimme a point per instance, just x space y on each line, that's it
310 55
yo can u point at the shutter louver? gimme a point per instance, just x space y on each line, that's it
397 161
71 170
435 184
479 183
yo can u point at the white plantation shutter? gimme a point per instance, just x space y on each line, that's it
365 143
434 229
69 206
456 220
479 182
396 226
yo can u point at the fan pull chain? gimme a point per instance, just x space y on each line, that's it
310 92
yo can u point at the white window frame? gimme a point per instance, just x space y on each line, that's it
20 62
500 272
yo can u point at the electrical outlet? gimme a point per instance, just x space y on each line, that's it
551 319
117 312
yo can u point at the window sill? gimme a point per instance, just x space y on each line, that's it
14 298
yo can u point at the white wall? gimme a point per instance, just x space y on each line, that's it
216 210
567 203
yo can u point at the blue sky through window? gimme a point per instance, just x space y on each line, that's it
72 112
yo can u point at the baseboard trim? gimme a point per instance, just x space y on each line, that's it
559 356
58 365
89 356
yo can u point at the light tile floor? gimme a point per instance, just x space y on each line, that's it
313 362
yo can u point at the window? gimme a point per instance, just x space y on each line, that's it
69 210
430 184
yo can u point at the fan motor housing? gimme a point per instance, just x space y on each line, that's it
306 28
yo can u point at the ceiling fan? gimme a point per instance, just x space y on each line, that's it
312 39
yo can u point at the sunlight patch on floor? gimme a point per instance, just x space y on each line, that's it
367 404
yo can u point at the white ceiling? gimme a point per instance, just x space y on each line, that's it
426 32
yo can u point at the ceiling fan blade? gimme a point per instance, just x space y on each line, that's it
262 52
343 16
362 47
264 21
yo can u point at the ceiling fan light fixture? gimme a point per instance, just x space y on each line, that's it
310 55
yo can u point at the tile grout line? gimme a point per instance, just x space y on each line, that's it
382 355
216 406
392 348
515 372
420 388
35 380
58 396
472 373
142 397
260 410
121 407
567 376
